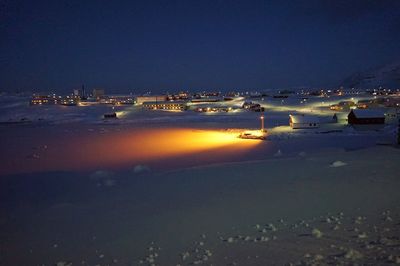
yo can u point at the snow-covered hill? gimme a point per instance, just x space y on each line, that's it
387 76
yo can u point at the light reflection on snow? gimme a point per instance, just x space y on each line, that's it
91 150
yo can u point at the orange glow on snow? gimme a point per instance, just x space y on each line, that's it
164 143
127 148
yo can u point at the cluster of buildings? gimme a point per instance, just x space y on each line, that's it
355 117
80 97
366 104
98 95
177 101
165 105
359 112
54 99
373 111
383 91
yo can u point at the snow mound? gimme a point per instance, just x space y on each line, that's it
140 169
101 174
338 164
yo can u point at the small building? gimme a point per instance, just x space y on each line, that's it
54 100
76 92
256 107
69 101
363 104
165 105
214 109
208 99
343 105
121 99
110 115
153 98
393 113
303 121
365 116
369 103
45 99
178 96
98 93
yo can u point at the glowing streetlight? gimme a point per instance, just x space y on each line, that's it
262 122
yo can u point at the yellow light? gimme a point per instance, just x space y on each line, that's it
150 146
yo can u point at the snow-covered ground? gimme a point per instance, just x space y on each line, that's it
169 188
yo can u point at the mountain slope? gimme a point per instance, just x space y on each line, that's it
387 77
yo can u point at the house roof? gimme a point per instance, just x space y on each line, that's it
368 113
165 102
365 101
304 119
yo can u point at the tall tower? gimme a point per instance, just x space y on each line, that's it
83 96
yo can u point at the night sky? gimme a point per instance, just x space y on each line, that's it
132 46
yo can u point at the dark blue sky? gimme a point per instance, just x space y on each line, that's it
134 45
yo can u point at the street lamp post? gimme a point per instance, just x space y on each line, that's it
262 122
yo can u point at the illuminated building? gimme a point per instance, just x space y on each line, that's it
119 100
165 105
343 105
205 100
155 98
253 106
45 99
302 121
54 99
213 109
69 101
180 96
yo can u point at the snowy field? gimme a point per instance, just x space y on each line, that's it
179 188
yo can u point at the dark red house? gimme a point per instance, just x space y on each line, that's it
365 117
